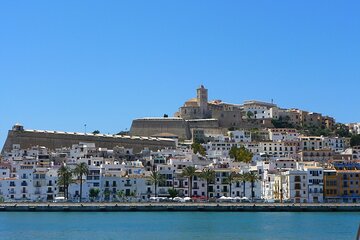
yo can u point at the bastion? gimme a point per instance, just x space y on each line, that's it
56 139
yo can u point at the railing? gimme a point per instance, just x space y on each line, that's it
49 191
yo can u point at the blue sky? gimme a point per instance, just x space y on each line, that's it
104 63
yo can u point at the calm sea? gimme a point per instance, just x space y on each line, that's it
177 225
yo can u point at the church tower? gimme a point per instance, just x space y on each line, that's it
202 100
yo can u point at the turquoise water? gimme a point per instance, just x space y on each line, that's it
177 225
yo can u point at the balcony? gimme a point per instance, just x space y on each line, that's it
127 184
24 184
49 191
24 191
37 192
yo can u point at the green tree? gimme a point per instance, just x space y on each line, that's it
342 130
120 195
173 192
355 140
209 176
282 122
156 178
189 172
65 179
243 178
198 148
81 170
249 114
252 177
94 193
241 154
233 176
123 133
96 132
107 194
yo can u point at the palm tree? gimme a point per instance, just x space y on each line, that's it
209 176
156 178
81 170
244 178
230 179
94 193
252 177
65 179
120 195
189 172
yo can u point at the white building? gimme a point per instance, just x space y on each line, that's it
283 134
315 176
240 136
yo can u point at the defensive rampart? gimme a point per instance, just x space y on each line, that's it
54 139
155 126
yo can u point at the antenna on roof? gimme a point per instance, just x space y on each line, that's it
272 101
85 128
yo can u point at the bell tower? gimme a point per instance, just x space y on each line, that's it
202 100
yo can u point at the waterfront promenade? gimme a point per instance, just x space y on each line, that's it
166 206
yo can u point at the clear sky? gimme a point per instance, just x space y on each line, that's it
104 63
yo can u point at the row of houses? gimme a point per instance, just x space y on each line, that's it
118 174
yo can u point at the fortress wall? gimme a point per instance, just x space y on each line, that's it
215 131
27 139
150 127
203 123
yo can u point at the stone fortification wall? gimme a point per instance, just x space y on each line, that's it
52 140
203 123
155 126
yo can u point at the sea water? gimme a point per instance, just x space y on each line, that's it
177 225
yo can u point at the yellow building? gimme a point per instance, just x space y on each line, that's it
342 185
330 186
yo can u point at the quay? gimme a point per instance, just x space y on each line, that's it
177 207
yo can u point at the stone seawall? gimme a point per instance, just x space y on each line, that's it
52 140
184 207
